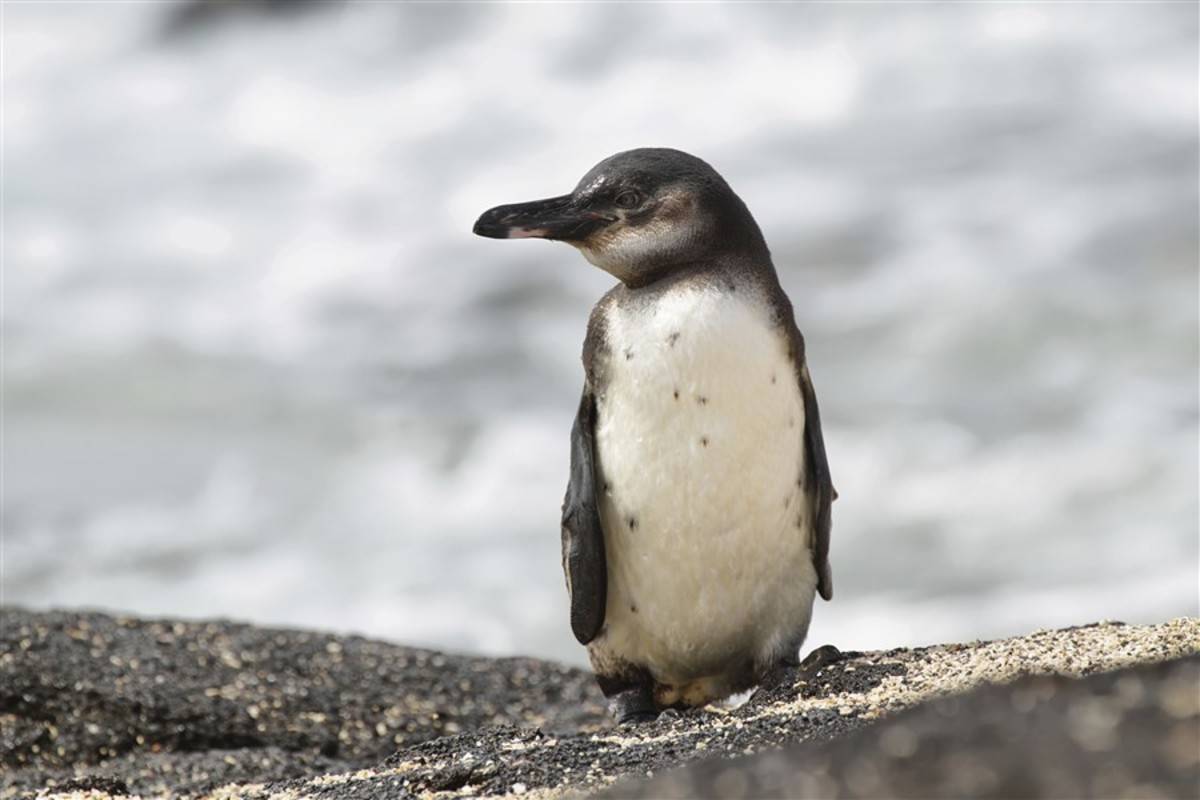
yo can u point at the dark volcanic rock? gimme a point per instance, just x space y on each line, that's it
1133 733
92 706
188 705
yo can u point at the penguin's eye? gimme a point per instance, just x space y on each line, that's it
627 199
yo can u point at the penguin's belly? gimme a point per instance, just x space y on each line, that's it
700 451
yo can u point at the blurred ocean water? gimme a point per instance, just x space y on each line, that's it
256 365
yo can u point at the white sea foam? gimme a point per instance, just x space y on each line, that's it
256 365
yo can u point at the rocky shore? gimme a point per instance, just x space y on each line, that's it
94 706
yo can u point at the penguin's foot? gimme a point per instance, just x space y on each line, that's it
782 673
633 706
790 670
819 659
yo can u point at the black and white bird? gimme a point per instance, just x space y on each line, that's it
695 529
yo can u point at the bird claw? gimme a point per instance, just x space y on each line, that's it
633 706
820 658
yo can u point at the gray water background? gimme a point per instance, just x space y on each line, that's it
255 364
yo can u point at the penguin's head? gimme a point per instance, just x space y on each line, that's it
638 215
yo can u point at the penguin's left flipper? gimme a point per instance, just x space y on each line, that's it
818 477
583 558
818 483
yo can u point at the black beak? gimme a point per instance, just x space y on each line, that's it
554 218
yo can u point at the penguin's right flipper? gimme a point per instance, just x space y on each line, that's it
583 557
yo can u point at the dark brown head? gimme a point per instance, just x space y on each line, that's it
639 215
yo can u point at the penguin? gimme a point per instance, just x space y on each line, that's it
696 523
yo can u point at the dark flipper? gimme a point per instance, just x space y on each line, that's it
817 480
582 538
822 483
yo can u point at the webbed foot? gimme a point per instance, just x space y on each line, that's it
819 659
790 670
633 706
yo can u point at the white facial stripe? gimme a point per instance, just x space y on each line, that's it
622 248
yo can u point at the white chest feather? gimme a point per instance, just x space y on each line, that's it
700 450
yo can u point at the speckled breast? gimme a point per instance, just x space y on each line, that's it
699 441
